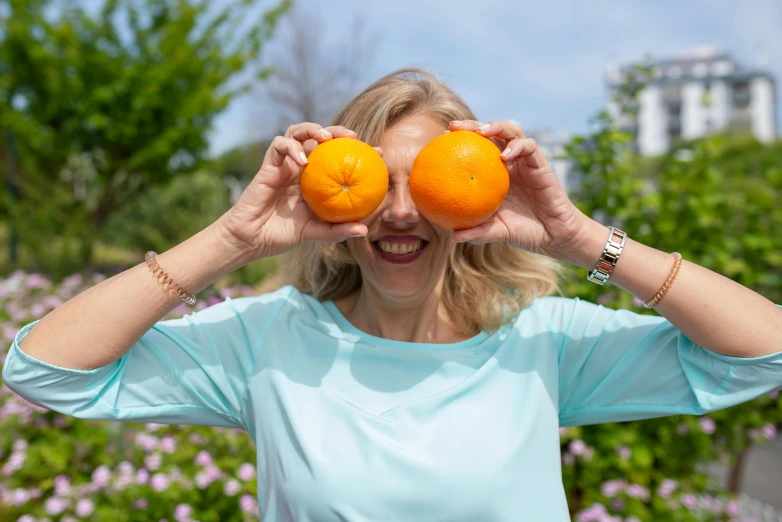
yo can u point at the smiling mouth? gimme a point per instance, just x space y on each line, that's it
399 252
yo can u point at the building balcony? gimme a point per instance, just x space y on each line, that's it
741 98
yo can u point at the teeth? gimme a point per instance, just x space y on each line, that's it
399 248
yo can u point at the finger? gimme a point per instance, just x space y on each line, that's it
309 131
338 131
280 148
318 230
487 232
309 146
379 150
528 150
501 129
464 125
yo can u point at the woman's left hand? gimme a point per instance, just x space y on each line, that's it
537 214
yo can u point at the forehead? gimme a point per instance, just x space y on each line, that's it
406 137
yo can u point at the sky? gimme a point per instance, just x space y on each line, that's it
541 64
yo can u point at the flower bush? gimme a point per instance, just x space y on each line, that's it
54 467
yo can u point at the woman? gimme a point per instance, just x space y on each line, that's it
424 385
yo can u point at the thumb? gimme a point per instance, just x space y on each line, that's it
487 232
333 232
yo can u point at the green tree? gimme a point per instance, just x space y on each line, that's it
715 200
98 108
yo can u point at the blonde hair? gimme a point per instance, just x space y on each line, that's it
485 285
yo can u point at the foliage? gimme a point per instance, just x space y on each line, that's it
96 109
58 466
715 201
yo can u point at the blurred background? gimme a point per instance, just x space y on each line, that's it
130 125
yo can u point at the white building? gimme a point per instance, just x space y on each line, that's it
693 94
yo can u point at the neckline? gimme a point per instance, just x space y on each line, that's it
347 327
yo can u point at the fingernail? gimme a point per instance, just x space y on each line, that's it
484 128
356 235
303 157
506 152
325 133
456 122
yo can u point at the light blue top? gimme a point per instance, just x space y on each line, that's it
352 427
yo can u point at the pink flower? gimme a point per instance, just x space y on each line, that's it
62 485
202 480
73 280
36 281
19 496
667 487
84 507
624 452
203 458
147 442
682 429
26 518
153 461
611 488
577 447
142 476
248 504
232 487
637 491
101 476
638 302
213 473
141 503
152 426
707 425
213 300
773 395
160 482
769 431
568 459
732 508
55 505
97 278
246 472
125 468
168 444
689 501
182 512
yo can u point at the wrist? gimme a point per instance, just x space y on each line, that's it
235 252
587 245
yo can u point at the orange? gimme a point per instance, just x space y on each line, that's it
344 181
458 180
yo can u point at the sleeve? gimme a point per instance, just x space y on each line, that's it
192 370
617 365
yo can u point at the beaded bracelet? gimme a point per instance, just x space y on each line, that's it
668 281
163 277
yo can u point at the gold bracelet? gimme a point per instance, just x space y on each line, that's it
163 277
668 282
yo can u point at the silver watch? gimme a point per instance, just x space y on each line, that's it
607 262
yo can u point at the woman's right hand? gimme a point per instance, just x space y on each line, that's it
271 216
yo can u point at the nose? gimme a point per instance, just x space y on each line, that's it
401 211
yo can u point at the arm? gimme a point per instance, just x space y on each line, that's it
100 325
712 310
105 354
